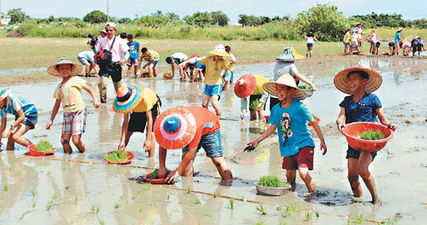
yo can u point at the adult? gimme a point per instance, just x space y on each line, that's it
357 30
112 66
397 40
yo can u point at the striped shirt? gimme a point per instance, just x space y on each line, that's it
16 103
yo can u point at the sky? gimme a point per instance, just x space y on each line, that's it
271 8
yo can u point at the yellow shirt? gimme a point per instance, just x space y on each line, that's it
152 56
214 69
347 37
260 80
148 101
70 94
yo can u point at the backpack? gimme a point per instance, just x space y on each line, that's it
105 57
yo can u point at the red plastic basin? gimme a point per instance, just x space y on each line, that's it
131 157
353 130
32 151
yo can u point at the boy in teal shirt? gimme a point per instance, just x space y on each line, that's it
291 119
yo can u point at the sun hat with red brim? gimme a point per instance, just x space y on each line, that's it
374 82
285 80
75 68
245 86
128 97
175 128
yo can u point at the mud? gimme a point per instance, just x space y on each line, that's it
46 191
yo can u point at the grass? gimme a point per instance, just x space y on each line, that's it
261 209
371 135
117 156
272 181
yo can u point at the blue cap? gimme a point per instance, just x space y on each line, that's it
172 124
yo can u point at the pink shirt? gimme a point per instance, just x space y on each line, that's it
118 50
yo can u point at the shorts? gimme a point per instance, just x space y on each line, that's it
253 98
310 45
30 120
372 43
303 159
378 44
346 44
226 76
74 122
212 90
138 120
212 145
200 65
83 60
355 154
132 62
154 63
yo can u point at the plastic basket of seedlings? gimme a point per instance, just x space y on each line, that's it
367 136
307 89
272 185
153 177
168 75
119 157
41 148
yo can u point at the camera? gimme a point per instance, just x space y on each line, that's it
93 39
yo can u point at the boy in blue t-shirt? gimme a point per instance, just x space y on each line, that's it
291 119
134 55
360 106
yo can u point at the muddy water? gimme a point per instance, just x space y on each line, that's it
43 191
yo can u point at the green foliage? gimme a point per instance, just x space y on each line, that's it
261 210
43 146
251 20
371 135
203 19
17 15
231 200
305 87
117 156
95 16
328 23
272 181
374 20
153 175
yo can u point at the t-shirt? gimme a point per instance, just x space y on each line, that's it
118 49
260 80
89 55
70 94
149 100
16 103
347 38
361 111
373 38
214 69
151 56
310 38
282 68
133 50
179 57
233 59
292 127
397 37
206 122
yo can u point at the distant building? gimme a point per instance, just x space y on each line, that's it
4 19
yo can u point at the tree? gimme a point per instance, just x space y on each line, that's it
17 16
200 19
95 16
219 18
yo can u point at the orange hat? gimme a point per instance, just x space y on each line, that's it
245 86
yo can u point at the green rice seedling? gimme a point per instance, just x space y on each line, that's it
260 223
5 187
272 181
122 198
49 205
34 205
101 222
197 201
44 146
307 217
167 197
117 156
388 221
154 174
371 135
94 210
209 214
305 87
188 190
231 200
317 214
261 210
117 205
290 210
256 105
54 196
359 219
77 198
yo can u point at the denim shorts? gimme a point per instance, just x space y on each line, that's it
155 63
30 120
212 90
211 143
355 154
310 44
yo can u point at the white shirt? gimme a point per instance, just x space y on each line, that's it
118 50
179 55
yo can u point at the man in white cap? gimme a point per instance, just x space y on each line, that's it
113 54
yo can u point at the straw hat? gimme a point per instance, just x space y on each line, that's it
245 86
4 93
175 128
76 69
374 81
128 97
103 31
285 80
219 50
400 29
289 54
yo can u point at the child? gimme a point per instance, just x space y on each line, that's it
68 93
347 41
153 58
229 76
140 106
197 69
86 58
215 63
361 105
25 118
176 59
291 119
190 128
251 86
134 55
310 38
373 42
417 45
354 44
397 40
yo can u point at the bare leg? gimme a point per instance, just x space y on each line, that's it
127 137
364 161
205 100
77 141
252 114
353 177
305 176
291 177
189 170
215 104
16 137
222 167
65 140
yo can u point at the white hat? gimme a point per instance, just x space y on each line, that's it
219 50
110 24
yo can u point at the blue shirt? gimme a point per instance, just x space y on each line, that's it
397 37
292 127
16 103
133 50
361 111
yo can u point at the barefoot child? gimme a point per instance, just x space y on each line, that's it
140 106
229 75
152 58
189 128
25 118
133 55
291 119
68 93
250 86
360 106
176 59
310 38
